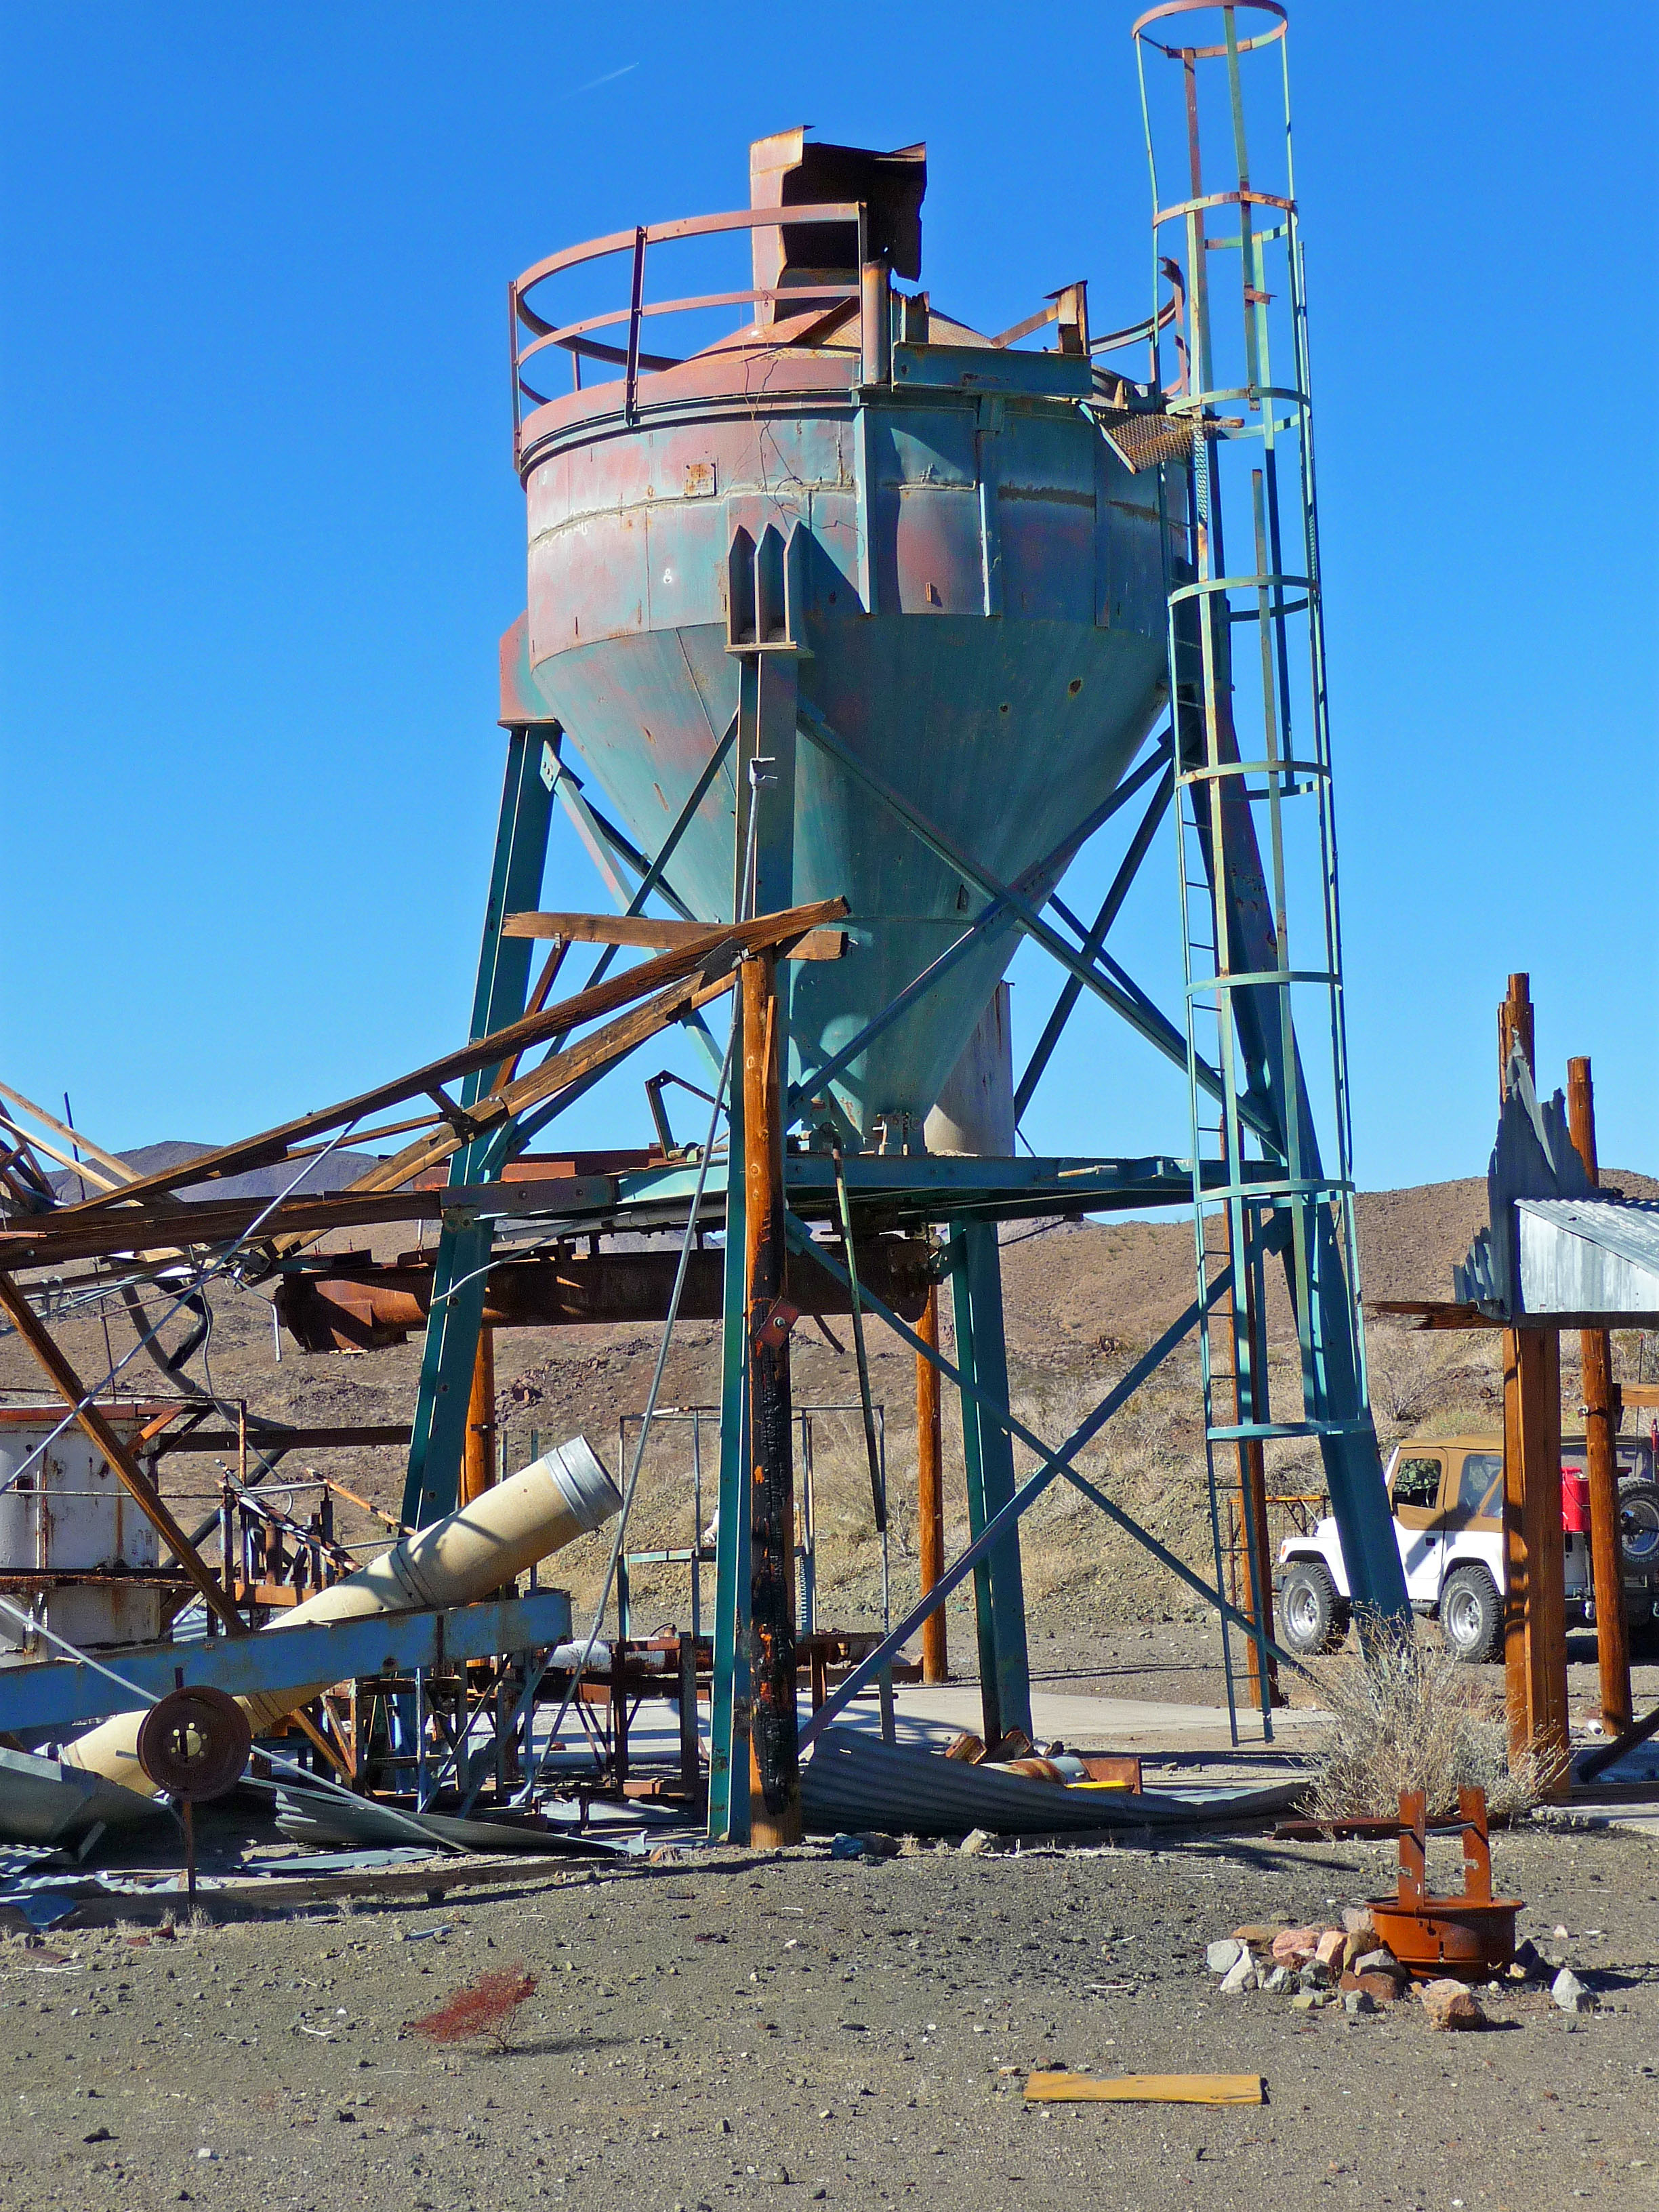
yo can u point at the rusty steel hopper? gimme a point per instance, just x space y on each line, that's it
915 541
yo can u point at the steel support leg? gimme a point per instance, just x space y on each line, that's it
439 1436
999 1587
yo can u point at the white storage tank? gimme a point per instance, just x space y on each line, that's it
68 1517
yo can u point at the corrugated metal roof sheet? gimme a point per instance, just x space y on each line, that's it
854 1781
1590 1257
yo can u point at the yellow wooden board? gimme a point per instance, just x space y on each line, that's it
1147 2089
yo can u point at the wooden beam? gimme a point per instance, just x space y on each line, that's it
775 1814
1534 1623
51 1240
1534 1593
119 1168
710 948
478 1450
1600 1461
648 930
93 1423
1144 2089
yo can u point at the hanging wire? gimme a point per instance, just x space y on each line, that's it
687 1247
149 1336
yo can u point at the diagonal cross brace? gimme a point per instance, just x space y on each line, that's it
1053 1464
989 917
1071 989
1135 1007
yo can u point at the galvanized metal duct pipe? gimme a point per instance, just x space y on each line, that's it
563 1495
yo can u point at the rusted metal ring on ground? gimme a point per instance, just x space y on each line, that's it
195 1743
1447 1935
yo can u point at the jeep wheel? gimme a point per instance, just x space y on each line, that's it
1638 1523
1471 1619
1313 1618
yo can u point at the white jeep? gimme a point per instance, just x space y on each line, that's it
1447 1493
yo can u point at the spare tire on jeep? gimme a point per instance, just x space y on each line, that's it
1639 1521
1312 1617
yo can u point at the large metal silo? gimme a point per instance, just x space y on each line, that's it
948 561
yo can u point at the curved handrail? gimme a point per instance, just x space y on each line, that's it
691 225
1168 8
573 336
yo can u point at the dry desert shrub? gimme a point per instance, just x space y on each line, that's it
1404 1716
486 2007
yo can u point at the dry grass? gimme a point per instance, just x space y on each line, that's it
1404 1716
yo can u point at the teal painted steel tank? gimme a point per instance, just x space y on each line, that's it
925 535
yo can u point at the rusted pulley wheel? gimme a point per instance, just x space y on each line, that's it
195 1743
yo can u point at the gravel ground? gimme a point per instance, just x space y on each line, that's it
847 2034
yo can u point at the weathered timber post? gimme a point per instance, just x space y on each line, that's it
930 1493
478 1450
1534 1599
774 1750
1600 1461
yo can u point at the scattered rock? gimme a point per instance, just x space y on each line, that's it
1315 1974
1221 1958
1357 1921
1382 1989
1379 1961
1359 2001
1451 2005
1291 1946
1240 1975
1277 1980
1526 1966
1570 1992
1312 2000
1328 1949
1259 1935
880 1845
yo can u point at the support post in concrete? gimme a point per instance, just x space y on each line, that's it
478 1452
774 1753
1535 1625
1600 1460
1534 1601
930 1493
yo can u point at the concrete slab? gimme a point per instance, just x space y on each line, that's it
935 1714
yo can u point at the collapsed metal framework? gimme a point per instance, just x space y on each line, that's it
794 1223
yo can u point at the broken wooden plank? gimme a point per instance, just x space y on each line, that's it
651 931
711 948
1147 2089
91 1420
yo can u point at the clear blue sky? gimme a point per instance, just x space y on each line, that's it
259 530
